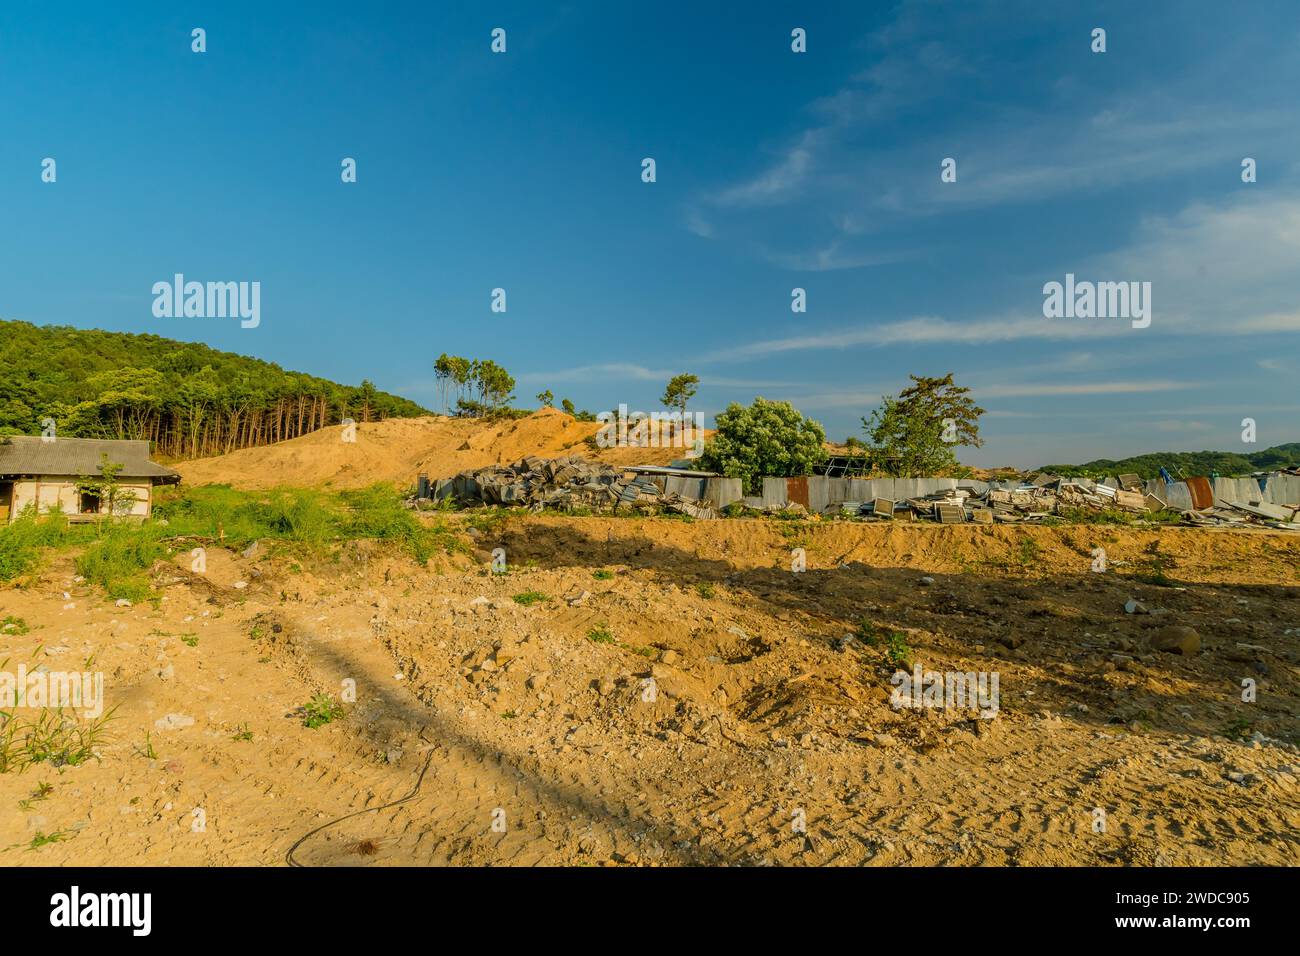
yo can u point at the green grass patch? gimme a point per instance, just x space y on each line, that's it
43 839
23 542
13 625
320 710
529 598
52 737
118 561
601 634
896 650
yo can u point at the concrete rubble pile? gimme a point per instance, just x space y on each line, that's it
575 483
1265 500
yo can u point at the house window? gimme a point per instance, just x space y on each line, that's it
89 503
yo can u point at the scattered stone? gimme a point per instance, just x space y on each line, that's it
173 722
1177 639
1135 607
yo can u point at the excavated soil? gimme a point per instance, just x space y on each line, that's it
399 449
699 705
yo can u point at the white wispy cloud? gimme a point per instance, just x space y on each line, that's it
1216 269
866 398
602 371
624 371
780 181
926 329
1078 388
855 181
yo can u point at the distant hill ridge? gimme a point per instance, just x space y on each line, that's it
1189 463
187 398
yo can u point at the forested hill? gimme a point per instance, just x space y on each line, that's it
189 399
1189 463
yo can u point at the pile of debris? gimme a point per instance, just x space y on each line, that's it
1268 500
575 483
1036 498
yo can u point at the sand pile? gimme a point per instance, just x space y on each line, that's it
399 449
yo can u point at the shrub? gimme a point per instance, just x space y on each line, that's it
768 438
320 710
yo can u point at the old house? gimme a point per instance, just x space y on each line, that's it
51 474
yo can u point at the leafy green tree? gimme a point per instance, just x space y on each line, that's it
768 438
453 374
546 399
681 389
108 489
914 434
495 384
567 405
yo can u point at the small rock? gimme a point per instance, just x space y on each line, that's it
1135 607
1177 639
668 657
173 722
122 602
926 581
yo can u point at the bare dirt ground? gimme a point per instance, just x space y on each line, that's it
486 731
398 449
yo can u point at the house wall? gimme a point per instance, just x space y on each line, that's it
49 491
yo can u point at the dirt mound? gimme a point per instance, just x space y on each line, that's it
399 449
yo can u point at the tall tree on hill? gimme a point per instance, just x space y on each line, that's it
495 384
453 374
681 389
914 434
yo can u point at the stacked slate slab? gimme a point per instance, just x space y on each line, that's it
574 482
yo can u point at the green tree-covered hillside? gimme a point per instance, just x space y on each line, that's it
187 398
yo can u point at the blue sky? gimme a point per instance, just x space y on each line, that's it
775 170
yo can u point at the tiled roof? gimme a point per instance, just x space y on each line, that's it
29 455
